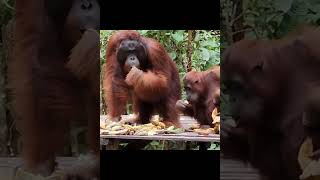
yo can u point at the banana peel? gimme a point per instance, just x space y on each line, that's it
215 113
205 131
202 131
310 167
216 120
195 126
216 128
119 132
158 123
304 153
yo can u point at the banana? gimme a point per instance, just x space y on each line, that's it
120 132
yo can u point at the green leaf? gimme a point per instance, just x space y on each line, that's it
178 36
197 37
173 55
205 54
283 5
210 44
298 14
143 32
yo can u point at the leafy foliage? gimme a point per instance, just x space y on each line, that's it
270 18
6 11
205 46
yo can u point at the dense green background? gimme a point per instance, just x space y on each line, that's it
265 19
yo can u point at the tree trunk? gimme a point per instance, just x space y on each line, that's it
103 107
188 65
238 21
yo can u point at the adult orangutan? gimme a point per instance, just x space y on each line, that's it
55 79
139 69
203 93
268 82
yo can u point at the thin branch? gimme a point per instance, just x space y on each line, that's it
242 30
233 13
255 32
228 32
5 2
277 14
238 17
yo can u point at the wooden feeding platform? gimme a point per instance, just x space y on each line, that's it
187 136
236 170
229 169
186 122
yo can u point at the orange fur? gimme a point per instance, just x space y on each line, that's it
154 90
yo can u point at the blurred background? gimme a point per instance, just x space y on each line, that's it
9 137
10 143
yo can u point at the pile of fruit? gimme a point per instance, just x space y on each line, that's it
206 131
123 128
156 127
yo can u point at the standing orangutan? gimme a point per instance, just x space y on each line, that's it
54 77
140 68
203 93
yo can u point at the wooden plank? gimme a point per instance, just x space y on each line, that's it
15 162
9 167
236 170
229 169
166 137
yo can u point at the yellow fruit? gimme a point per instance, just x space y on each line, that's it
116 128
120 132
195 126
216 120
214 113
170 128
202 131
